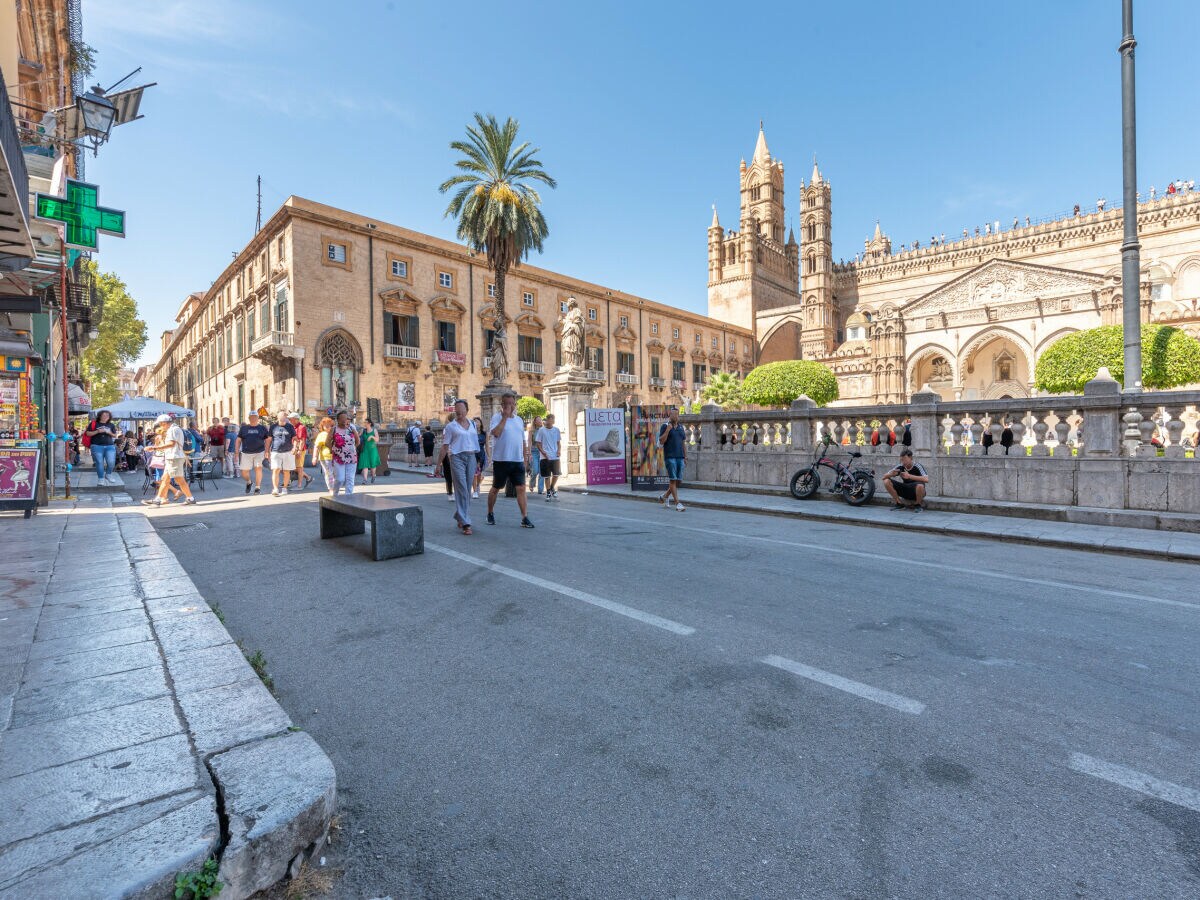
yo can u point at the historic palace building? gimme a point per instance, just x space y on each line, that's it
325 307
968 316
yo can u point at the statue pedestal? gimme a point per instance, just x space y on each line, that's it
489 400
567 395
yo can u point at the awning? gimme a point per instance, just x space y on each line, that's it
15 345
78 401
145 408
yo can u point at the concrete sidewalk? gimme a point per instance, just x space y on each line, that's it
135 740
1105 538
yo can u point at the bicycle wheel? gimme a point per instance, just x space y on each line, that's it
860 490
805 483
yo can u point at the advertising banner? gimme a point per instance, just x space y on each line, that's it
648 470
18 472
406 396
604 432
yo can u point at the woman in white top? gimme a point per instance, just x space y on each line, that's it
460 443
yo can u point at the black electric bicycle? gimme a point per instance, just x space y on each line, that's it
855 483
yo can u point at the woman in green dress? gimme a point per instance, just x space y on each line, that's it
368 456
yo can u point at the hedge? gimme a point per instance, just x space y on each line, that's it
779 383
1170 358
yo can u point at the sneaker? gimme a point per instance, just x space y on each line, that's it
258 490
450 497
896 506
247 488
666 500
679 507
525 523
284 491
918 508
556 493
549 496
190 501
115 481
154 502
275 493
474 495
491 519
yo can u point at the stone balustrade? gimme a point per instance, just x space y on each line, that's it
1102 449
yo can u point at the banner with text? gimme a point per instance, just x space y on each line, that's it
648 471
604 432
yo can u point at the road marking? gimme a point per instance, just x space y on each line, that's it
1136 781
619 608
874 694
905 561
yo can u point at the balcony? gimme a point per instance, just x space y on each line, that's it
656 382
400 351
531 368
626 378
275 346
594 375
678 385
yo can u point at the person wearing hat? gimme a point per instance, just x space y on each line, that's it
169 443
300 445
281 445
251 448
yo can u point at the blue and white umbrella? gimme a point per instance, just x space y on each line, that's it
144 408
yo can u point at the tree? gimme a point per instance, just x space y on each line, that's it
528 407
1170 358
779 383
498 209
122 335
724 389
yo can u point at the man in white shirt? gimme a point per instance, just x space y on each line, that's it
170 443
548 440
510 456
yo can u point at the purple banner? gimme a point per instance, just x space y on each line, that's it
604 432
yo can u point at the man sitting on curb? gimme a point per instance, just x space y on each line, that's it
906 483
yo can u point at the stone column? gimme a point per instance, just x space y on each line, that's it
567 395
801 412
1101 474
922 410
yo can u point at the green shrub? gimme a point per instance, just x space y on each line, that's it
528 407
1170 358
779 383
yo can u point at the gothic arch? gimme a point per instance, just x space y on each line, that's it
781 342
924 352
1046 342
337 346
789 320
986 336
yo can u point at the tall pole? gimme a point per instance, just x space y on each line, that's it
66 384
1131 304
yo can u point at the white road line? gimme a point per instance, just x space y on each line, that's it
1136 781
902 560
619 608
875 695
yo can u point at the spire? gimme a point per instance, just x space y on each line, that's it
878 233
791 236
761 153
715 222
816 175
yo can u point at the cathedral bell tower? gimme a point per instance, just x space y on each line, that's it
818 336
756 267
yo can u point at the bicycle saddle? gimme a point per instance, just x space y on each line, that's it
855 453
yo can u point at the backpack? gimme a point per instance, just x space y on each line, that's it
189 442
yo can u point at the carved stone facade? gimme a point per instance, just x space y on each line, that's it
968 317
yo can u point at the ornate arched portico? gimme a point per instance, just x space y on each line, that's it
339 358
933 365
995 356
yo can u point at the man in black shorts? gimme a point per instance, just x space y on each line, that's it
510 457
906 483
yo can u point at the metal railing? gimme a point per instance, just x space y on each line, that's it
655 381
401 351
626 378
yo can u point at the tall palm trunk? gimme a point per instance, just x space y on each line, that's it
500 338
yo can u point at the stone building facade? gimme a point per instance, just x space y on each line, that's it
325 307
969 317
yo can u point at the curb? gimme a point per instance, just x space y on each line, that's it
1041 539
275 789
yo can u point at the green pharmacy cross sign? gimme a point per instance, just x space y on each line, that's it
81 215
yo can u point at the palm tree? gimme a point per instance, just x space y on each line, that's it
724 389
498 209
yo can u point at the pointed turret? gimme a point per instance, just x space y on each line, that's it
761 153
716 223
878 233
816 173
791 237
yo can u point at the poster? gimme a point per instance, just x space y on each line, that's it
18 472
406 396
604 433
648 471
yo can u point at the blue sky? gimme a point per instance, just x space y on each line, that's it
930 117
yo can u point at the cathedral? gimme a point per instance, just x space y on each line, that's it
967 316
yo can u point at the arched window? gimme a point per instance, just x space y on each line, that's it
812 264
339 358
812 231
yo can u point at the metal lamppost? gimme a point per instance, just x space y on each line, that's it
1131 305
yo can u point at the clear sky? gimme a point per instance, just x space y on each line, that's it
929 116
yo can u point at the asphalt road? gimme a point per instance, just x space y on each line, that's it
644 703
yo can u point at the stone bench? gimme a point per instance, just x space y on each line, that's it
397 528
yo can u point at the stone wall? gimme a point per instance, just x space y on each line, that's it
1101 450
